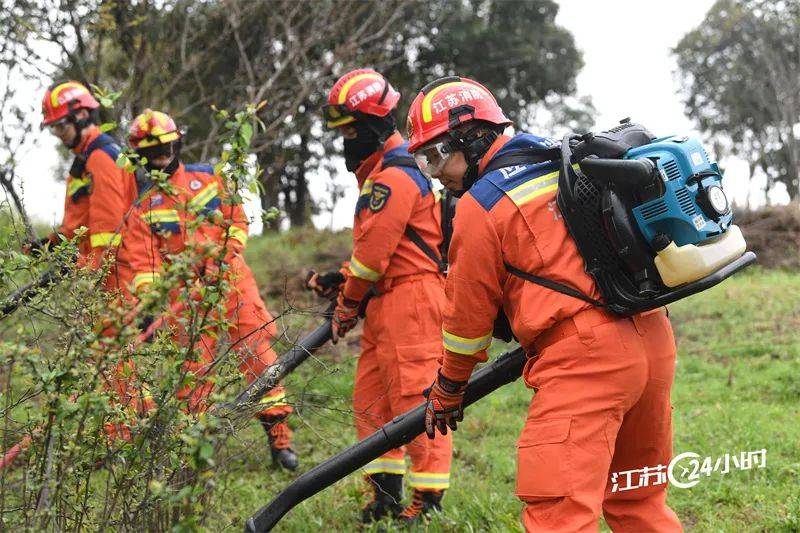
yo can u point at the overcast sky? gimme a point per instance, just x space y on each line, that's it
628 72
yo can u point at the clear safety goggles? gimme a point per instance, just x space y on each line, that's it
432 158
58 126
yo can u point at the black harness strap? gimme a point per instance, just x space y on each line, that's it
531 157
400 161
415 237
552 285
79 163
143 182
448 202
439 259
524 156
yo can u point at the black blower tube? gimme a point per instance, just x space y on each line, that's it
402 430
284 365
25 293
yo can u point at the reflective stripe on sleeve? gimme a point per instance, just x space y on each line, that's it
386 466
76 184
105 239
464 345
429 480
360 270
144 278
238 234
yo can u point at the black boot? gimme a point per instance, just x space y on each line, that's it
387 495
423 503
279 436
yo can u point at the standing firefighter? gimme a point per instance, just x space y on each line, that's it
195 213
98 193
602 382
402 337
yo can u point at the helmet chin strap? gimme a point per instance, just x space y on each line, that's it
474 149
80 124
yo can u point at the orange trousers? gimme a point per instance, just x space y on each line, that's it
251 334
400 350
602 405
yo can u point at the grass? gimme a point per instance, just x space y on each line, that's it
737 389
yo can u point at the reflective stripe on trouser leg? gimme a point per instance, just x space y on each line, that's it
386 465
429 480
275 403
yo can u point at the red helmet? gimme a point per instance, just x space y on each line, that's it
359 91
64 98
152 128
445 104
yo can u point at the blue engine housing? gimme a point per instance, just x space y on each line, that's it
683 212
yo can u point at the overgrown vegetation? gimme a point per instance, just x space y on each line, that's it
105 438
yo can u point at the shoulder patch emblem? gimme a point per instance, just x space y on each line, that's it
379 196
195 184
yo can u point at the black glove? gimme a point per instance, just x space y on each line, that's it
325 285
37 246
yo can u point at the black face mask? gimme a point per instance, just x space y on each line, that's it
80 125
154 152
364 145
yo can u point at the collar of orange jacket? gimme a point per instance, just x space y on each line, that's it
92 133
493 149
368 166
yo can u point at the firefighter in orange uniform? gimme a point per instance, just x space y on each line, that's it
602 382
99 195
164 225
402 340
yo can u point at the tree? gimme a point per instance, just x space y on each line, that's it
182 57
740 73
514 47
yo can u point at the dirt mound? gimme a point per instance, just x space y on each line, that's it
773 233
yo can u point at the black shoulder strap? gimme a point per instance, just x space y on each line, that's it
525 156
143 181
553 285
448 211
415 237
400 161
79 163
411 233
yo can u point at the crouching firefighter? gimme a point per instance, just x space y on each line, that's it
195 212
602 381
396 254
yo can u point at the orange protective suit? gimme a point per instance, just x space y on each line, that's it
602 382
164 224
402 340
99 199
